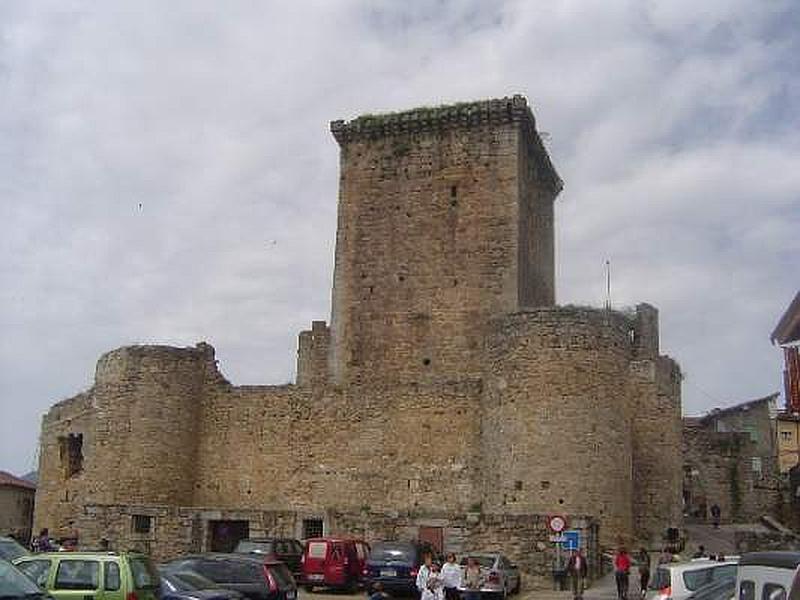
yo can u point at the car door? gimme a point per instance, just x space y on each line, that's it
112 580
511 573
77 579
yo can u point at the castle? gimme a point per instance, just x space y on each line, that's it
449 400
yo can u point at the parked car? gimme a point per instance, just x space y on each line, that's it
11 549
99 575
395 565
14 585
677 581
766 575
253 576
722 589
794 593
286 550
187 585
334 562
500 576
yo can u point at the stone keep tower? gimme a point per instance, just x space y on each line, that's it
445 219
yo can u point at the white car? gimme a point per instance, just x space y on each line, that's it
677 581
766 575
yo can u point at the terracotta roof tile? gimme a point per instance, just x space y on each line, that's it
9 479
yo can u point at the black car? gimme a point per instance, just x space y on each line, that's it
15 585
286 550
187 585
11 549
395 565
251 575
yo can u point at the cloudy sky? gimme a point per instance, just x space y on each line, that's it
167 174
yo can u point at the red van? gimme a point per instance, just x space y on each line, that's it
334 562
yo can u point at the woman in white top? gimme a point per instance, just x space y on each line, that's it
451 577
424 572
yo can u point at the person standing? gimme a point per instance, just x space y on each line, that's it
42 543
434 590
716 513
644 571
424 572
577 569
451 577
622 570
472 580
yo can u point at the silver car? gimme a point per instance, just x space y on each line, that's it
499 576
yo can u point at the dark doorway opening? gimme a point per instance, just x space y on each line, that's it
433 537
226 534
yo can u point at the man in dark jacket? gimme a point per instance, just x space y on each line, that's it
577 569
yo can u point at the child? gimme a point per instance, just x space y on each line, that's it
377 592
434 587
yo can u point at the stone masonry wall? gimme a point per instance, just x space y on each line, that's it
273 447
524 539
657 432
718 469
60 498
557 417
427 246
313 347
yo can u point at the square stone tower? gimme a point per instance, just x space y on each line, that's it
445 220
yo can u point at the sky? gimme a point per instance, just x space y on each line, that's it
167 174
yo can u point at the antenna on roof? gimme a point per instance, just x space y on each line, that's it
608 284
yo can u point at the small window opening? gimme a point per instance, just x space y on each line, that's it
426 361
561 501
455 282
401 277
142 523
517 485
453 191
371 289
545 485
312 528
71 453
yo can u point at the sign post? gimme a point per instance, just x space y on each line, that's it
557 524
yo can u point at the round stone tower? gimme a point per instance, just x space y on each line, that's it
557 417
147 400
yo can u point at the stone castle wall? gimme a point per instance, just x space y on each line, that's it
448 383
719 470
431 208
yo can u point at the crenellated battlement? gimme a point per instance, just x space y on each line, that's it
463 114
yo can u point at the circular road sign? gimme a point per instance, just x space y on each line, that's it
557 523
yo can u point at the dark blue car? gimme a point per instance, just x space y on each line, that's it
395 565
187 585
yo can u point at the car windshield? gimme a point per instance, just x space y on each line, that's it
487 562
251 547
11 549
144 574
393 552
189 580
13 584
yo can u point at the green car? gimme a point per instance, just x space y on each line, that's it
92 575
